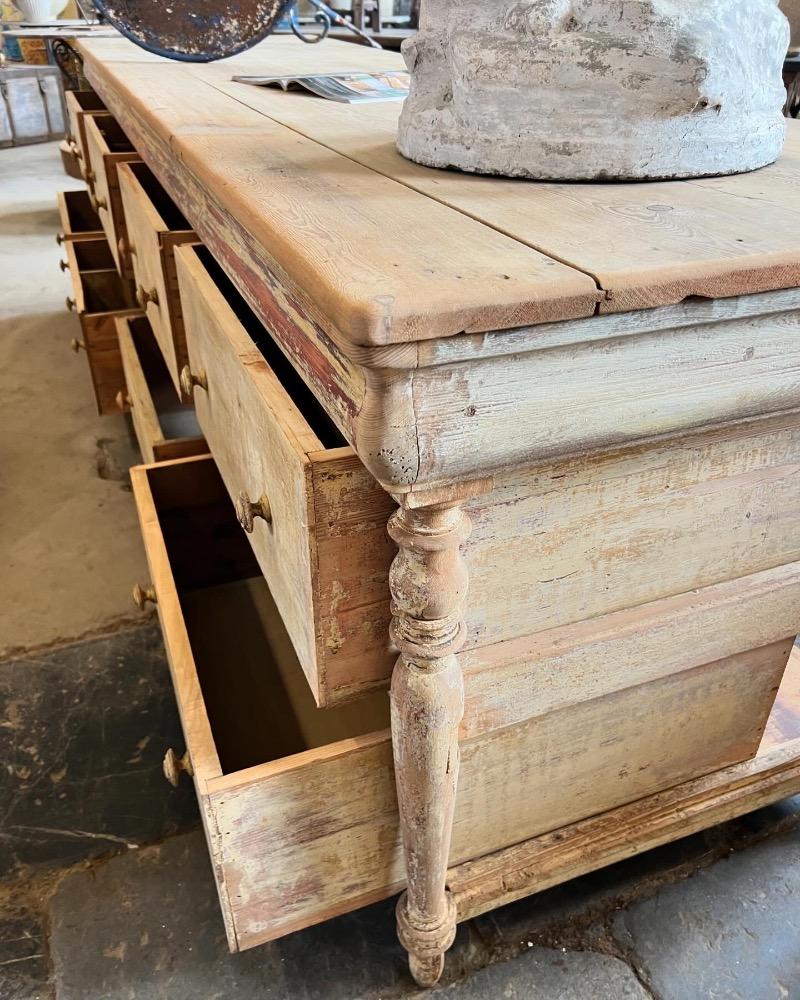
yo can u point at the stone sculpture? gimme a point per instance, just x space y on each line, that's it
596 89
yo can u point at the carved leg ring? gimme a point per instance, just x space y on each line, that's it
428 582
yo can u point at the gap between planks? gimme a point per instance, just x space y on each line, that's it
602 293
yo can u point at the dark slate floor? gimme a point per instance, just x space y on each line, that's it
83 733
715 916
88 911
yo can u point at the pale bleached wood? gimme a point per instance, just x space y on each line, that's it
428 582
78 219
104 185
194 718
748 374
645 244
549 860
555 669
578 538
282 53
143 412
367 279
99 299
328 537
332 812
260 441
673 515
351 575
564 542
592 395
81 104
151 246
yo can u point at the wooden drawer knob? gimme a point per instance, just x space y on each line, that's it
125 249
189 380
98 203
175 766
60 237
70 304
90 176
247 511
143 595
122 400
143 296
76 345
64 265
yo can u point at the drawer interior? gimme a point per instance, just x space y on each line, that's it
115 139
177 419
305 401
258 703
93 255
170 213
81 217
87 100
103 291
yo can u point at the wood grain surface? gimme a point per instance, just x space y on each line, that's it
639 245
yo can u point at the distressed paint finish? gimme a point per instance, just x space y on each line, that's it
428 582
596 89
296 325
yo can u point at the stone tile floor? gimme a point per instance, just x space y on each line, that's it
713 917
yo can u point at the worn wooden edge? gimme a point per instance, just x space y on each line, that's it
486 669
169 241
628 291
556 857
145 418
193 279
302 332
75 276
358 318
239 780
128 179
63 213
185 447
690 312
291 927
188 693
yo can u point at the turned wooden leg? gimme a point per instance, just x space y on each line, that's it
428 582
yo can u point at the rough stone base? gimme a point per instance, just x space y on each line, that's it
596 89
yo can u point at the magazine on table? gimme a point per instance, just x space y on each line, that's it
346 88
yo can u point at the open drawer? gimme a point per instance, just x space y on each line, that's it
316 518
100 296
298 802
79 221
81 103
107 147
165 428
155 227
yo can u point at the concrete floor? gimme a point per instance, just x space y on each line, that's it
106 891
69 544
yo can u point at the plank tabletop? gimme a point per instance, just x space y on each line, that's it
395 252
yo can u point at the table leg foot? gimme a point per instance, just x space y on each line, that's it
428 582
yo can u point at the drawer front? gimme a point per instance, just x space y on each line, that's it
151 246
102 140
80 104
150 397
79 221
99 297
600 533
319 808
261 444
